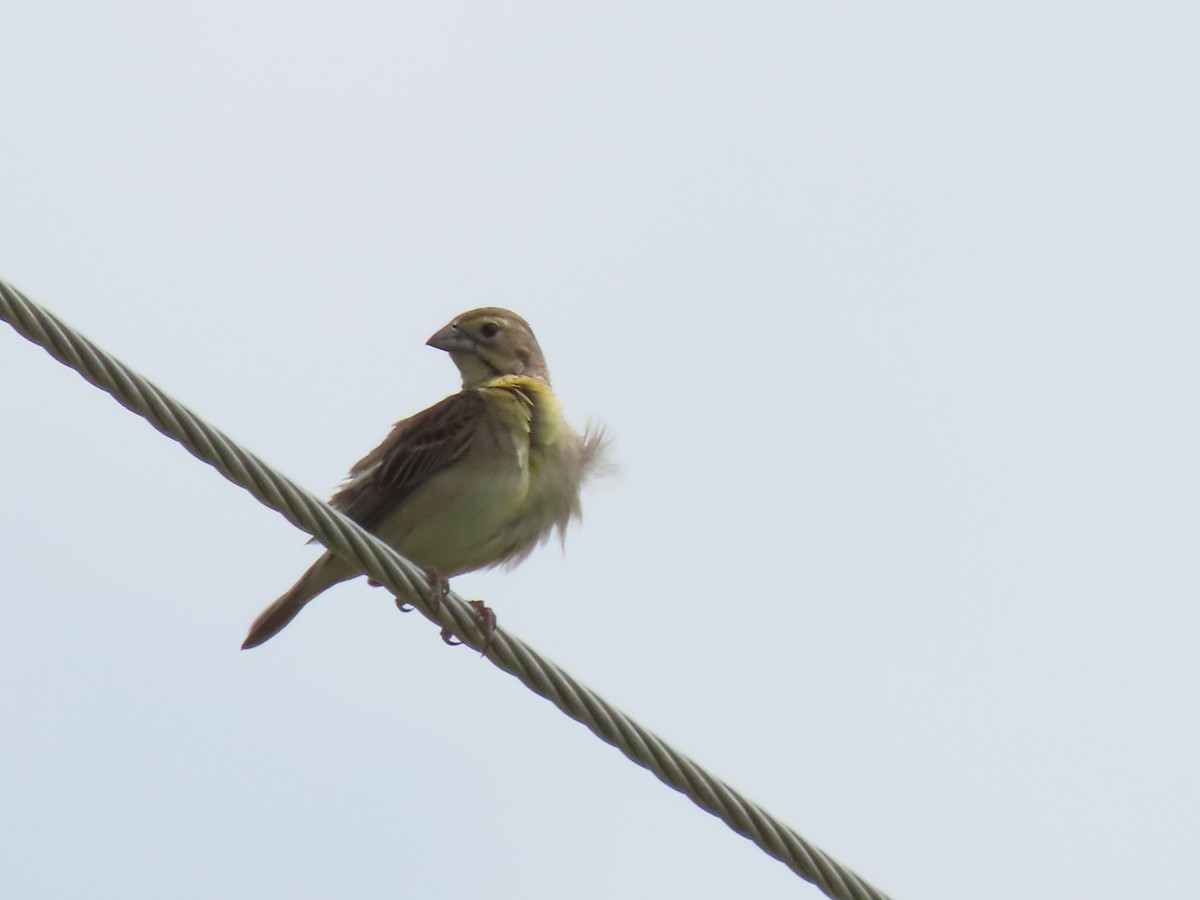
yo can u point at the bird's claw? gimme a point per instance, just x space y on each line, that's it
439 586
487 624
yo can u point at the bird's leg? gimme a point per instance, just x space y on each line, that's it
487 624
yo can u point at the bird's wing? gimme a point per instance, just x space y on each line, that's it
416 448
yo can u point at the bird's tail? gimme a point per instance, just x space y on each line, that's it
323 574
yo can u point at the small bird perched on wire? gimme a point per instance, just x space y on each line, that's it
475 481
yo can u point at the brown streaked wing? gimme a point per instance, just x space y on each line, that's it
416 448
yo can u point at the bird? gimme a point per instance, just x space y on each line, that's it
477 480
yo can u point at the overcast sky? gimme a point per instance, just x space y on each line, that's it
892 309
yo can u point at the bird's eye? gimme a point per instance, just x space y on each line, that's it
489 330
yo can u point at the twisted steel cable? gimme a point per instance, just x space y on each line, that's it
406 580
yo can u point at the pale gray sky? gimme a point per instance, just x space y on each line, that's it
892 310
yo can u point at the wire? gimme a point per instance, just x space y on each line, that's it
405 580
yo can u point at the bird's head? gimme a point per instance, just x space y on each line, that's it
490 342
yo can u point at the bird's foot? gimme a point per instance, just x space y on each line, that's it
487 624
440 591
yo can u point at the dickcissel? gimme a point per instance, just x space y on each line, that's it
475 481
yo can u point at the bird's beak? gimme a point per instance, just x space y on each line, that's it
451 340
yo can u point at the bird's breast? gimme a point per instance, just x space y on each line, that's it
549 457
503 497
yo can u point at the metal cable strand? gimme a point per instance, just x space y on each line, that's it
407 581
